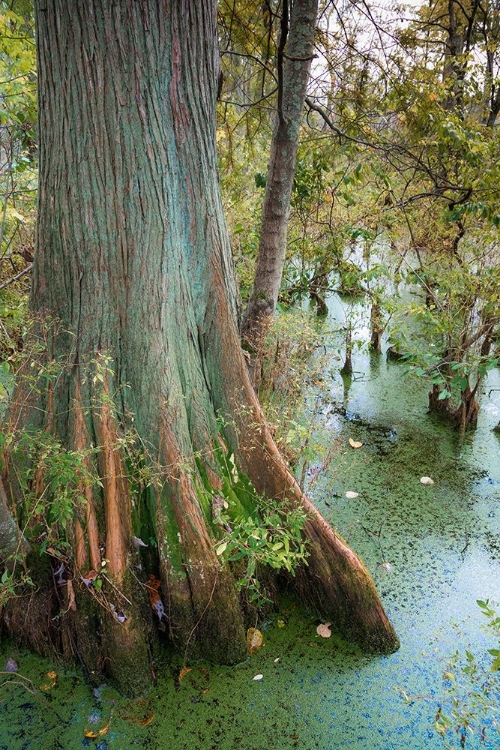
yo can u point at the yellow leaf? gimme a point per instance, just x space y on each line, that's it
255 640
355 443
49 685
99 733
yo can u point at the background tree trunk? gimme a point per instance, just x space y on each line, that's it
293 78
135 292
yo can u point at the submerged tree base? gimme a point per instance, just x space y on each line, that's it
460 417
142 557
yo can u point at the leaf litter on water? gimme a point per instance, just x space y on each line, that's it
355 443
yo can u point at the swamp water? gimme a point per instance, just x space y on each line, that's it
433 551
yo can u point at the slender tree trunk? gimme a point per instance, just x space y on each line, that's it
272 247
135 295
454 66
347 366
376 326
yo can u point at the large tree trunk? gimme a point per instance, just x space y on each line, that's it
135 296
293 79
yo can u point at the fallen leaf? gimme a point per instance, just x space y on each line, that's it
255 640
386 566
89 577
59 574
119 616
281 624
277 660
138 542
155 599
355 443
53 679
351 495
93 735
154 582
183 672
426 480
259 677
324 630
71 596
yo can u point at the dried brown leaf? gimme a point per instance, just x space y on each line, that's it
255 639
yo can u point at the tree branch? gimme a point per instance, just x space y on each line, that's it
16 277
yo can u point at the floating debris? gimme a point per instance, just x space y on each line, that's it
255 640
324 630
426 480
11 666
355 443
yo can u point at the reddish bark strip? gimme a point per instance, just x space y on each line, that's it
81 443
118 529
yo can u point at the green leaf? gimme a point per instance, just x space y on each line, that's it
221 549
444 394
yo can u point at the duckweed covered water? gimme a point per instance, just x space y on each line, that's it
433 551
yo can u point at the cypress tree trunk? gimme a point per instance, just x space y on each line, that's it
281 169
135 295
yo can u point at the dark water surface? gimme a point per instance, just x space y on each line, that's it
440 546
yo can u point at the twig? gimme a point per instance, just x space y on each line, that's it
116 589
16 277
